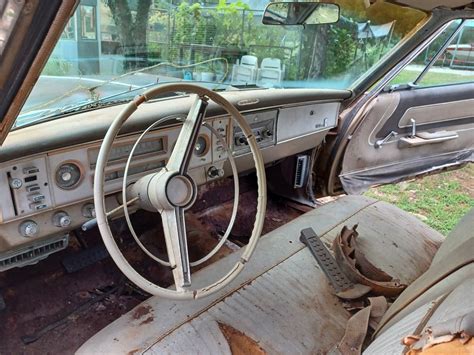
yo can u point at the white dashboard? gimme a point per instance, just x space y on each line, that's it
47 195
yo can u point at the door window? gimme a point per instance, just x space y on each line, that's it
449 59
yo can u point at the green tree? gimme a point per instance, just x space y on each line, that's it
132 28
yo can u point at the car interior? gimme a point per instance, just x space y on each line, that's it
189 219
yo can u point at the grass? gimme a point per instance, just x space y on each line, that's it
433 78
440 200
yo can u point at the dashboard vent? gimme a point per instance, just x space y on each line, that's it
301 170
33 254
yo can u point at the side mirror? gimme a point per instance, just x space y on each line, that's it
300 13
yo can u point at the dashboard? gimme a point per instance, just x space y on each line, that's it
48 194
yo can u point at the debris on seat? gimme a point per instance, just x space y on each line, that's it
359 269
358 325
350 273
344 288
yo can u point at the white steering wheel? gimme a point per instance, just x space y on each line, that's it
171 191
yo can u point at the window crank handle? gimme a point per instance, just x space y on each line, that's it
379 143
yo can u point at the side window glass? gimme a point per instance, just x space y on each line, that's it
452 65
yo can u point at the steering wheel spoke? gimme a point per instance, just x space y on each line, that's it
174 228
183 150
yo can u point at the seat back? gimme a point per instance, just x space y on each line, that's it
463 231
455 255
271 63
270 73
249 61
245 72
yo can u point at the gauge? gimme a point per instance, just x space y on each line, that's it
201 148
68 175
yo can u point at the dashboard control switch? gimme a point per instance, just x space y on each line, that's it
38 206
240 141
38 197
31 170
32 188
29 229
16 183
214 172
88 210
62 220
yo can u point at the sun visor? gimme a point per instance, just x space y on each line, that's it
429 5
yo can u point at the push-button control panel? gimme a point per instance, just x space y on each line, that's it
26 189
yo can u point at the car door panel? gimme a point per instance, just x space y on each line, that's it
389 147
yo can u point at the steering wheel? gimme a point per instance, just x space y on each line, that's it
172 190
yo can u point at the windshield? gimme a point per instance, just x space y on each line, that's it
112 50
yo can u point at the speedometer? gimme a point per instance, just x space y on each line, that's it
68 176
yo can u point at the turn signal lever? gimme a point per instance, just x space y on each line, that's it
92 223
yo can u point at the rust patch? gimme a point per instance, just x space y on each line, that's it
239 343
148 320
133 352
141 311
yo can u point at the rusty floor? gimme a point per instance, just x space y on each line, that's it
50 311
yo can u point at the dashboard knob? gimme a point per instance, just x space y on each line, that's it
62 219
267 133
29 229
88 210
15 183
214 172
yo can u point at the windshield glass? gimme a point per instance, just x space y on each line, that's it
112 50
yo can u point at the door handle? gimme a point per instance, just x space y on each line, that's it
423 138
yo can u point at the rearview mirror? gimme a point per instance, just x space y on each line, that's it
300 13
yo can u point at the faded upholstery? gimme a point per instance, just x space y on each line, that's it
281 299
456 304
463 231
452 264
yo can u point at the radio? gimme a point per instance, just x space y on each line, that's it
263 126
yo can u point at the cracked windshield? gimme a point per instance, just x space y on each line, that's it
112 50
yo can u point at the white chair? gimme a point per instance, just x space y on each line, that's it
271 72
245 72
